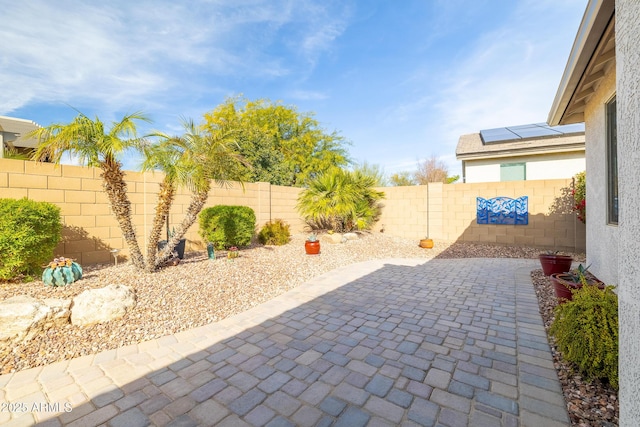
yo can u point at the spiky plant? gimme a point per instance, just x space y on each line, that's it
340 200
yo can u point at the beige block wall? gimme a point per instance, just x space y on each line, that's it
90 230
444 212
452 214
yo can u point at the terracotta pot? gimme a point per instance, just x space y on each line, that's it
555 263
563 285
312 248
426 243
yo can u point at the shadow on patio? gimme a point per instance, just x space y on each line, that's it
395 342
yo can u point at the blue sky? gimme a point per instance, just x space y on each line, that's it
400 79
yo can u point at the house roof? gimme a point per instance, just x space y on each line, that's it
591 57
511 141
14 131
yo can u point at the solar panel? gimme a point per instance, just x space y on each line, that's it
535 130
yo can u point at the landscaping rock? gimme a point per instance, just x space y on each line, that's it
332 238
101 305
22 316
351 236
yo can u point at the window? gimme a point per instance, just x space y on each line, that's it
612 163
513 172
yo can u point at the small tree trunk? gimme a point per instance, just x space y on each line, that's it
197 202
116 189
165 200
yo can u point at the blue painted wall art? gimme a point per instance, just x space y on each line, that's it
503 210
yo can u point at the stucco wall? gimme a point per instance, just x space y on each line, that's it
628 105
445 212
551 166
602 238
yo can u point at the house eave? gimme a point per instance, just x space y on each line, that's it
566 149
595 21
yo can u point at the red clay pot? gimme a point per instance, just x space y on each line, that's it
555 263
312 248
563 285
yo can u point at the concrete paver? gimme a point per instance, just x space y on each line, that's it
384 342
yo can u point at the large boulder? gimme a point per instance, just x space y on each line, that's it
22 316
101 305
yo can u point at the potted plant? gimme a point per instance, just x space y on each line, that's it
179 249
312 245
233 252
565 283
426 243
554 262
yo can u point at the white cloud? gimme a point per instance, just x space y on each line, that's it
143 53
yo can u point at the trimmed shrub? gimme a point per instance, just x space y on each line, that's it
227 226
586 332
29 233
275 233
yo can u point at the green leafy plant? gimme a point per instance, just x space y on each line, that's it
586 331
275 233
313 237
579 274
580 196
341 200
226 226
29 233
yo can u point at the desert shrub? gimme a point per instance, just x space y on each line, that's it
275 233
341 200
227 226
586 332
29 233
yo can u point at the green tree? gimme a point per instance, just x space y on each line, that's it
340 200
191 160
375 171
283 146
403 178
97 146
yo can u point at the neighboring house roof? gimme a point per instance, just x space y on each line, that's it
592 55
512 141
14 131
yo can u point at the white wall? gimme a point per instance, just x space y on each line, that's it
550 166
628 106
602 238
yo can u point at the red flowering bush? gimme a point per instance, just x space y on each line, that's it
580 196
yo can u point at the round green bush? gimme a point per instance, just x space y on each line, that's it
586 332
275 233
227 226
29 233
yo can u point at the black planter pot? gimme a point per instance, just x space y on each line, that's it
179 247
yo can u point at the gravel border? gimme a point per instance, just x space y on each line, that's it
590 403
199 291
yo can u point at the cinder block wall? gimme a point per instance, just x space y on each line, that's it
452 214
90 230
444 212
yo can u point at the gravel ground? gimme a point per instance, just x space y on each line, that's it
200 291
590 403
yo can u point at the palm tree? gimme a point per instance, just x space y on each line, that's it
95 146
340 200
191 160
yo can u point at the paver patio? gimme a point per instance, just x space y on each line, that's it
447 342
